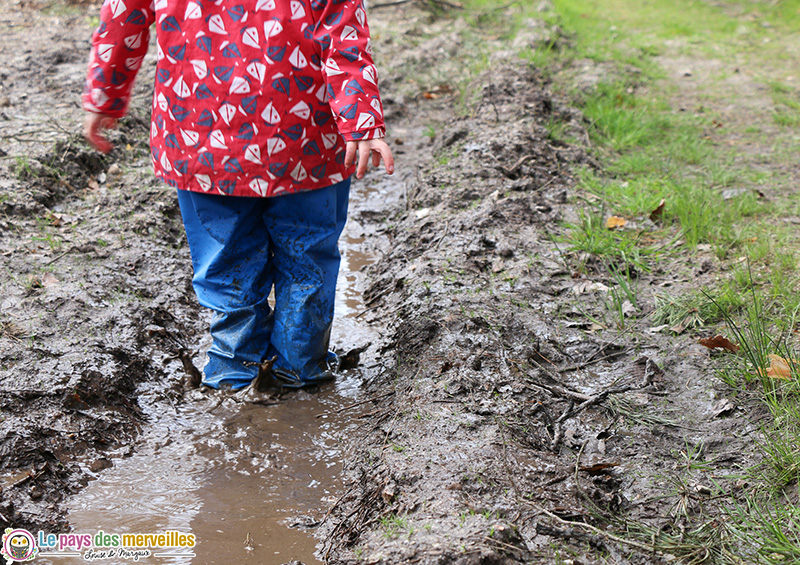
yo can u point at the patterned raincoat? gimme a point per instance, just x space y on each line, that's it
252 97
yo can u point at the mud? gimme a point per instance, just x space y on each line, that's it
512 410
488 406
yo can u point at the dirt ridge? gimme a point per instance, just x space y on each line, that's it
510 411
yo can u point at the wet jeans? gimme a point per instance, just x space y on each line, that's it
241 247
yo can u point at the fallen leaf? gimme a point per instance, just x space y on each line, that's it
719 342
430 95
628 309
55 218
702 489
48 279
615 222
598 468
588 286
722 408
658 213
779 368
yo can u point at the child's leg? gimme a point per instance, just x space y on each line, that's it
304 229
230 255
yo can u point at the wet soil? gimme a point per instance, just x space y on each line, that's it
490 406
519 404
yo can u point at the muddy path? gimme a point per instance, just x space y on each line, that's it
521 400
98 321
95 293
489 406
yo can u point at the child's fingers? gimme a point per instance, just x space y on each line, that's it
350 153
92 131
363 160
386 155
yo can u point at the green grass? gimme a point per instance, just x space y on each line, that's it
653 146
394 526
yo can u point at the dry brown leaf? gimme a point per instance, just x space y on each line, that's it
658 213
615 222
598 468
55 218
430 95
719 342
49 279
779 368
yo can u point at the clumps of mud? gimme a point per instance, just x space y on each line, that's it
69 167
509 426
43 181
97 299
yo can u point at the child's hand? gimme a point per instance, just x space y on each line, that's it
93 127
379 150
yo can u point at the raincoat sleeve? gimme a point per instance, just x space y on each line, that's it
118 47
351 80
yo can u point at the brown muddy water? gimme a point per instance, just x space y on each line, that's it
250 482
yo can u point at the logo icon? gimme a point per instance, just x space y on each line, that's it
18 545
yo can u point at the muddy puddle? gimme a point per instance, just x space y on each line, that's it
250 482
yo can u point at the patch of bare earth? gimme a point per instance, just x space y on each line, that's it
508 426
96 289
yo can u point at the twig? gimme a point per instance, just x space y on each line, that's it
388 4
585 364
445 3
512 172
572 410
513 548
446 227
577 468
400 2
367 310
598 531
355 404
53 260
335 504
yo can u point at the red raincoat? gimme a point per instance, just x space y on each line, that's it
252 97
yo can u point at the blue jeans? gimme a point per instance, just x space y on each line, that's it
241 247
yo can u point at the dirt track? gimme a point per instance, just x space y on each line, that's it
511 407
501 408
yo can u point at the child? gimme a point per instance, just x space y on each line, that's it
259 110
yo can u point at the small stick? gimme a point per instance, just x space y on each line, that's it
446 227
388 4
598 531
355 404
